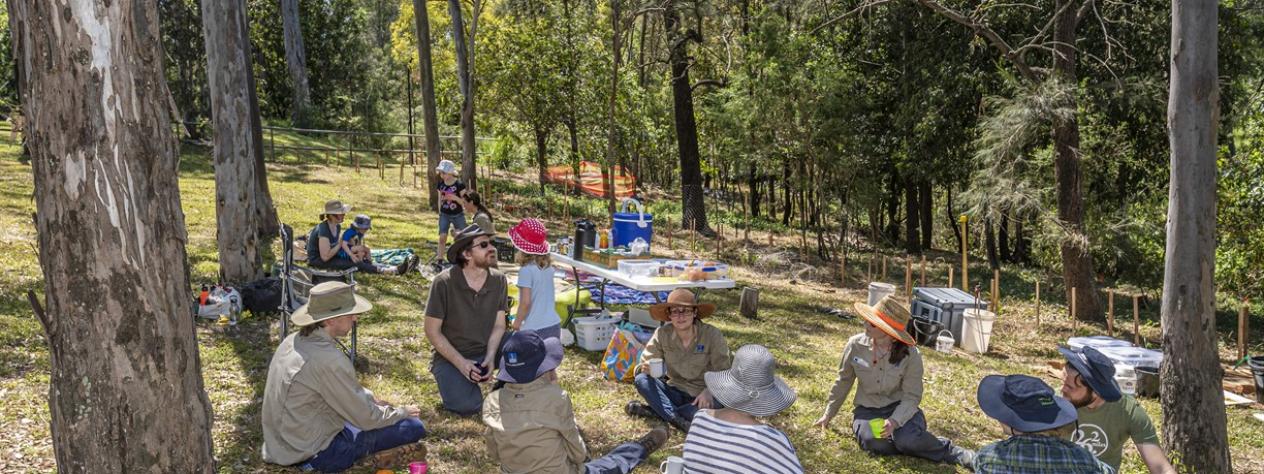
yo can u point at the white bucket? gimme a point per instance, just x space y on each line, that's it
1126 377
976 329
944 342
878 290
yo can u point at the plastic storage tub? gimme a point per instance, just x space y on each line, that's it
1099 342
711 269
637 267
1133 356
944 306
593 333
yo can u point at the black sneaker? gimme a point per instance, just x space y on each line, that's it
655 439
681 424
636 408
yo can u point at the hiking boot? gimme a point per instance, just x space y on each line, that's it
409 264
681 424
395 457
963 457
654 440
636 408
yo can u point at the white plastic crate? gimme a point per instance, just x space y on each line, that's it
593 333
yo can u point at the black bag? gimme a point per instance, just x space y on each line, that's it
261 296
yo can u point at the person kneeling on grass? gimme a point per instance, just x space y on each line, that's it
315 414
732 439
688 348
1038 424
886 367
1107 417
531 422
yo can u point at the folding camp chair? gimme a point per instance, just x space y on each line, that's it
297 281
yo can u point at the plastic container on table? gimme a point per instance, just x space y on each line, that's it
637 267
593 333
1133 356
1099 342
628 226
711 270
976 329
879 290
944 306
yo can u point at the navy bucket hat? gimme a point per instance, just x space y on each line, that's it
1024 403
1097 370
526 356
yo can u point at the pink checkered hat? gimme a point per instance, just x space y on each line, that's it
529 236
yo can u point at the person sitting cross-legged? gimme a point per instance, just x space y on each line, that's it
1108 418
688 349
1038 424
315 414
531 422
728 440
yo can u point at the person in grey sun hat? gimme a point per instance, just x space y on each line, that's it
732 439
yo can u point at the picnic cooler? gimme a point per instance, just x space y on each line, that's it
593 333
630 225
944 306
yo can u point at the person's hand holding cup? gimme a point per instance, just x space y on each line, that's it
656 368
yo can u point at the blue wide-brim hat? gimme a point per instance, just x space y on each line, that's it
1097 370
1024 403
526 356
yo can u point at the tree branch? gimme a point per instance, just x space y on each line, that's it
717 83
987 33
862 7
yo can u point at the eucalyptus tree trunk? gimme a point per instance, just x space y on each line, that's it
229 77
694 206
430 118
125 385
465 79
926 200
1193 403
542 154
912 223
296 61
616 23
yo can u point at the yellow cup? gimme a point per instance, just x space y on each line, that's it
876 425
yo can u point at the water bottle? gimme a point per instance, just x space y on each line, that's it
234 308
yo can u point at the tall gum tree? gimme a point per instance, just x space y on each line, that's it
125 385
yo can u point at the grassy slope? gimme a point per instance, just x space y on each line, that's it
805 341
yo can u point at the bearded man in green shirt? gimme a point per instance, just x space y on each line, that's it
1107 417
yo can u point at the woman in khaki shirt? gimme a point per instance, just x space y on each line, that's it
687 348
886 419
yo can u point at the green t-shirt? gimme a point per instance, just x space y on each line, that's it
1103 430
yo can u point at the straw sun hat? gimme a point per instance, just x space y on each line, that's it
680 297
330 300
890 317
750 385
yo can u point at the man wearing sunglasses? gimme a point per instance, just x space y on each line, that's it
465 320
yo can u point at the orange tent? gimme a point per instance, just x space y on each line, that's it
591 180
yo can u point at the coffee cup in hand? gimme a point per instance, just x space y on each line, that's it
673 465
656 368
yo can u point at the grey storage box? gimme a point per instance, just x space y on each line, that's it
944 306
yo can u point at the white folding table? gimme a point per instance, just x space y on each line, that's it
653 285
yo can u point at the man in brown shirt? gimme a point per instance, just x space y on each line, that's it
687 348
315 413
531 422
465 320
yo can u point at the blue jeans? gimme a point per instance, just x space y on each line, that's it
459 395
910 439
352 444
451 220
667 401
621 460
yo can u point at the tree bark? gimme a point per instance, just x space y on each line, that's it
694 208
465 79
616 23
125 385
1022 243
1077 262
752 182
267 223
926 194
786 186
542 155
296 61
1193 404
989 242
235 144
429 116
912 232
1002 239
952 219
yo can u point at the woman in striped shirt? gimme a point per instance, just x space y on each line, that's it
732 439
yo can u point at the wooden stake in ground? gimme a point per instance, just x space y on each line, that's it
923 270
950 285
748 305
1136 320
965 254
996 291
1075 322
1242 328
1037 303
669 233
842 271
1110 312
908 280
884 268
869 271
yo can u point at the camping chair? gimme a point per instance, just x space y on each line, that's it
297 281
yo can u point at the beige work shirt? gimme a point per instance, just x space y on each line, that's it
310 395
531 429
881 383
686 363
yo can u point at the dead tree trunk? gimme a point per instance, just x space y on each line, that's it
296 61
1193 404
125 388
228 74
430 119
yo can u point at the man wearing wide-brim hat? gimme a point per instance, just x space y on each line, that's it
315 414
1038 423
1108 418
687 348
465 320
531 422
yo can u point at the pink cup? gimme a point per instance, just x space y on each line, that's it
418 468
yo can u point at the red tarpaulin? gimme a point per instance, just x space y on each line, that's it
591 180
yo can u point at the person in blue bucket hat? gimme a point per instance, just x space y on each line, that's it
1038 423
1108 417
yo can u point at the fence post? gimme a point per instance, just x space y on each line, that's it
884 268
1075 320
1110 312
1037 303
1136 320
923 270
950 285
272 144
996 291
1242 327
908 280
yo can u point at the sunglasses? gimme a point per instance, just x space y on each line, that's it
482 245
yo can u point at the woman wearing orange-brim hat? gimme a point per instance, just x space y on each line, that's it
885 361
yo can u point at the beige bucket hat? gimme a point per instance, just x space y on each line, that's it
330 300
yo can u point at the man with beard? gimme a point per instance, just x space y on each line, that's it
1107 417
465 320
